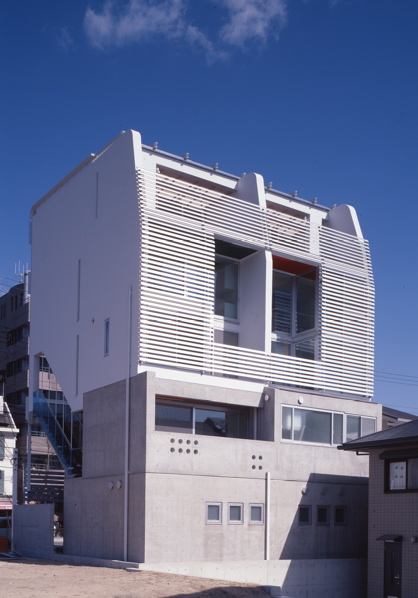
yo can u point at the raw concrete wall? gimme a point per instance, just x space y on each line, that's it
185 471
172 477
33 530
330 578
94 509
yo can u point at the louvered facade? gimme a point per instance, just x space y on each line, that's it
180 222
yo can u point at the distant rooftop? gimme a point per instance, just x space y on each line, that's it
397 435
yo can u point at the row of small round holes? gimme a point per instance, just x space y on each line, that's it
180 441
255 466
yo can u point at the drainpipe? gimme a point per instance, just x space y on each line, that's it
14 492
127 438
267 520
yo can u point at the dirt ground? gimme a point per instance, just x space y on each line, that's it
32 578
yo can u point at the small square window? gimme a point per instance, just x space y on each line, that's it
305 515
214 512
235 513
322 516
257 513
340 516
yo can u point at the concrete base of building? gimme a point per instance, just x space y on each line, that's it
304 578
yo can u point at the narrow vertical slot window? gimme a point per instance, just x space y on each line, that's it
78 288
97 194
77 361
106 336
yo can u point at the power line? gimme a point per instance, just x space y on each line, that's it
396 382
393 374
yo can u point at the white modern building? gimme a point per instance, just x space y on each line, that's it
217 337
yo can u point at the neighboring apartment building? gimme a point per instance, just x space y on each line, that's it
44 468
393 509
217 337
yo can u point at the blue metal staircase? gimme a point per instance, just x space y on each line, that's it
59 435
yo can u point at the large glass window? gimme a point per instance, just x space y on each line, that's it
359 426
207 420
294 310
173 418
322 427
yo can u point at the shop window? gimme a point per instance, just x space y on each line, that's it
213 512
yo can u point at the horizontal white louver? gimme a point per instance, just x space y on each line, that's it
179 222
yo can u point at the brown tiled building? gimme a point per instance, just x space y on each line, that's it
393 509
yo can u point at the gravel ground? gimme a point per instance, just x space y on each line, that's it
31 578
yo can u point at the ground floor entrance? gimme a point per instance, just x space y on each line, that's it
393 569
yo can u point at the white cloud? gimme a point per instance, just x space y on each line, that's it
64 38
138 20
199 40
253 20
119 23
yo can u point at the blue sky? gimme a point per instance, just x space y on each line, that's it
318 96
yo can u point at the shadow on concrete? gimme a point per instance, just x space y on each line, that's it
218 592
328 538
343 500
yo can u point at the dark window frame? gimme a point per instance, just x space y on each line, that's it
400 459
195 406
344 510
302 520
319 520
